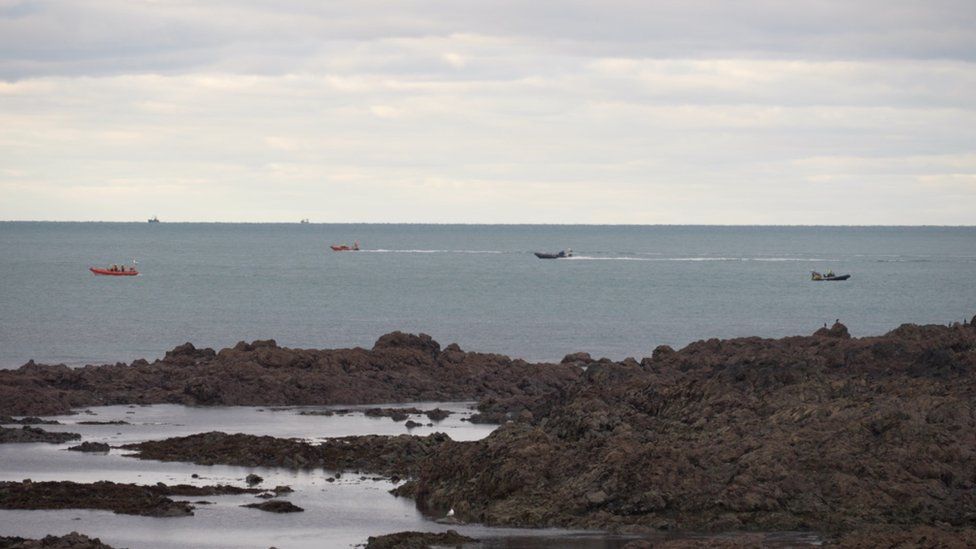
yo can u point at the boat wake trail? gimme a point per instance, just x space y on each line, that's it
382 251
698 259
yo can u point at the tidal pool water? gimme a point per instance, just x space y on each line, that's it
338 514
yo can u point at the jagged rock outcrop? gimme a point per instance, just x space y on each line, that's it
400 367
824 432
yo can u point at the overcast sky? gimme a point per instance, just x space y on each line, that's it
471 111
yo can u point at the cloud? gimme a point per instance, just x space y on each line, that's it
621 111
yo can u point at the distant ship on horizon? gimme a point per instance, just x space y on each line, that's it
154 219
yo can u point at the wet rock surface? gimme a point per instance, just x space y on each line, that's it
400 367
126 499
34 434
276 506
74 540
396 414
384 455
862 439
418 540
906 538
29 420
91 447
826 433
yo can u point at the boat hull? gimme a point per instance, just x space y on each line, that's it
832 278
343 249
107 272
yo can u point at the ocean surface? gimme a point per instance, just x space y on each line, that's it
629 288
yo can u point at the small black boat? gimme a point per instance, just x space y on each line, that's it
829 276
560 255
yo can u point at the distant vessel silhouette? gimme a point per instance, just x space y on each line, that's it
304 221
154 219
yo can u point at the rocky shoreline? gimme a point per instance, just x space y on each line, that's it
824 433
124 499
858 438
372 454
34 434
400 367
74 540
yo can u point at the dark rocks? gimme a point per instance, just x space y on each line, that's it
577 358
400 367
400 340
74 540
128 499
418 540
661 352
253 479
825 433
30 420
437 414
838 330
91 447
385 455
411 424
186 355
113 422
396 414
276 506
918 536
34 434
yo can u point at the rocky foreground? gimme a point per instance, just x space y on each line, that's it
127 499
866 440
827 433
400 367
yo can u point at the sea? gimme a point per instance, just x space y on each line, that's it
626 290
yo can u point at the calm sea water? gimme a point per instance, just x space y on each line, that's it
628 290
337 514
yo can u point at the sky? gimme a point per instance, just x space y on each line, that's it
490 111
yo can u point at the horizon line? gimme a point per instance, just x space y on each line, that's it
498 224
